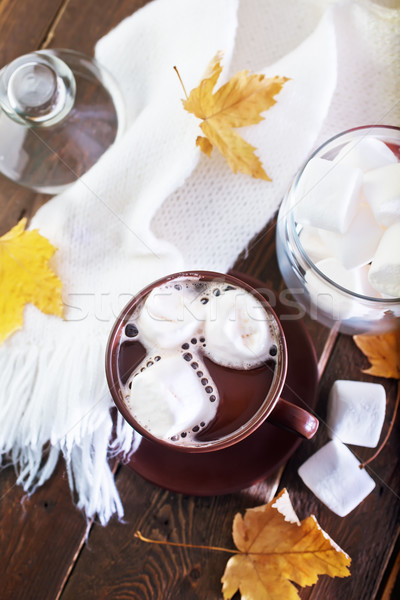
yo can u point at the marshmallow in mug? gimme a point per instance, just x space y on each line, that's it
350 216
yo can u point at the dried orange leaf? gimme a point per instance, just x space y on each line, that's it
275 549
237 103
25 277
383 352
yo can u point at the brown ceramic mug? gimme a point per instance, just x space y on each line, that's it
122 359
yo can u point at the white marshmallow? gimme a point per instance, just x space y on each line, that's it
381 189
356 412
169 316
168 398
327 299
366 153
334 476
363 285
384 273
237 331
312 243
357 246
328 195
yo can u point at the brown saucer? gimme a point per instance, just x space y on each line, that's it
256 457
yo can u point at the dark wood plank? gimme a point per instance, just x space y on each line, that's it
16 202
39 537
83 23
24 26
117 565
391 585
368 533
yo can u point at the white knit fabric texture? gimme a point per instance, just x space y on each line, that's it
152 205
367 38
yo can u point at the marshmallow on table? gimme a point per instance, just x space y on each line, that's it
313 244
334 476
328 195
356 247
356 411
366 153
384 273
381 188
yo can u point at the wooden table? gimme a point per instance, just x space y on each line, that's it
47 551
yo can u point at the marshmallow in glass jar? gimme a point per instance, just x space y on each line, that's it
338 235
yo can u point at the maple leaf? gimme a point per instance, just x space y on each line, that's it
383 352
237 103
25 277
275 549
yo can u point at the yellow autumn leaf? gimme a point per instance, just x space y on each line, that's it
383 352
237 103
25 277
276 549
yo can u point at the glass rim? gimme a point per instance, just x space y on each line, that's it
239 434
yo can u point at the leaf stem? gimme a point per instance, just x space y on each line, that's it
182 545
387 436
180 79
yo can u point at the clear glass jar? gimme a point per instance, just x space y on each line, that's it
324 299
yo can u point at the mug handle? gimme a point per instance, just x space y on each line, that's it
293 418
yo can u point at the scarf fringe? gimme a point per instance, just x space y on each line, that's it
54 403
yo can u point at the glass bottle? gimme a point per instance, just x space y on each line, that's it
60 111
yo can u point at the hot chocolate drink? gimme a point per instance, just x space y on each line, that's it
197 357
